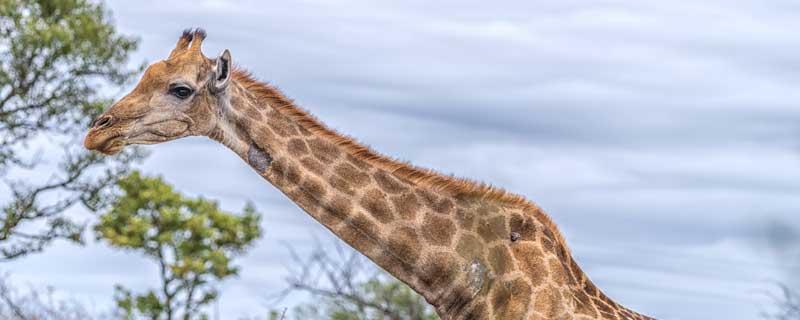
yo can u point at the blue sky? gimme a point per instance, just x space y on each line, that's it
661 136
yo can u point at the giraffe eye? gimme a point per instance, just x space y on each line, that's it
181 92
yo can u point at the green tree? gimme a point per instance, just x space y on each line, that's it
346 287
191 239
55 59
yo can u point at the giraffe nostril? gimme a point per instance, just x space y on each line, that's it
102 122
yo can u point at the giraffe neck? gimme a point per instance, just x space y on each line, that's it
398 224
470 256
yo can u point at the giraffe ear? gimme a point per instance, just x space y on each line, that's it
221 74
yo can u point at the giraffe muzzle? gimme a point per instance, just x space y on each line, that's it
103 136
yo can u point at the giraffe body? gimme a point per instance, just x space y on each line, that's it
473 251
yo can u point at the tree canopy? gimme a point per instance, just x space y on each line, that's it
191 239
56 58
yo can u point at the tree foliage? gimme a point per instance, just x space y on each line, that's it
55 58
346 287
191 239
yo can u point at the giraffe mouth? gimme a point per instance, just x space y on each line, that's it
108 145
111 141
109 134
114 146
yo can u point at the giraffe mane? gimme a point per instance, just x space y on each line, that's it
456 186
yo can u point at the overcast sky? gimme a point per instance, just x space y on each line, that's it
662 136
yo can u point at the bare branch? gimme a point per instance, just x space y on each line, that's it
347 282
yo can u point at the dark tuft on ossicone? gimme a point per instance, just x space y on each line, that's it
200 34
187 34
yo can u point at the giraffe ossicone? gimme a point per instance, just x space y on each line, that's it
471 250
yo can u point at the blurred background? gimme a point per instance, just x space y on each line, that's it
663 137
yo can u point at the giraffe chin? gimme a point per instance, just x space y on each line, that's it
108 143
114 148
109 147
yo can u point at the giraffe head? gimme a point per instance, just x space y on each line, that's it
175 98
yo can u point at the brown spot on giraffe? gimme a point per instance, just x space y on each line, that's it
246 122
438 230
304 199
304 131
584 305
437 270
281 128
401 253
277 174
500 259
428 198
486 209
531 262
374 202
510 299
323 150
351 174
342 185
557 273
605 309
297 148
361 164
478 311
549 235
454 302
314 187
469 247
465 218
572 281
406 205
337 210
238 102
492 229
388 183
548 244
262 134
439 205
253 114
293 174
405 244
365 236
548 303
313 166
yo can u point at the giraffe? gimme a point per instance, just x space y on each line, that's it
471 250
